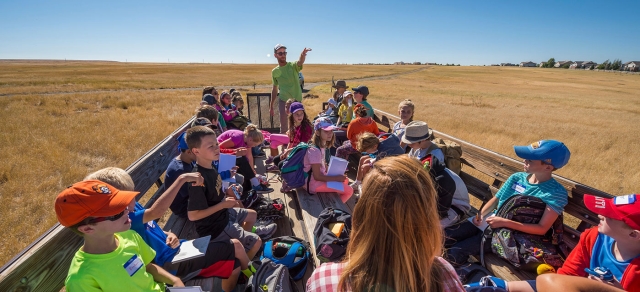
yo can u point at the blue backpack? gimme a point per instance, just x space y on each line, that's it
290 251
292 167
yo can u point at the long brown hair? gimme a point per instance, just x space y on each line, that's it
306 124
396 231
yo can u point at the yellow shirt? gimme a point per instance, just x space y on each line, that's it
345 113
123 269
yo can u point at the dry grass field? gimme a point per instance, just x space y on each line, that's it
61 121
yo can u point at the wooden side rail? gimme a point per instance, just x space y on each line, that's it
43 265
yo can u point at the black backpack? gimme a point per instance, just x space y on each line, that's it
268 209
290 251
330 247
270 277
523 250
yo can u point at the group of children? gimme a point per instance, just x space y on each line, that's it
102 208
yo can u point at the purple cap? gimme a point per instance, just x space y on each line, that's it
323 123
296 106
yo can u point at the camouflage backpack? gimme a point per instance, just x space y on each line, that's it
452 154
523 250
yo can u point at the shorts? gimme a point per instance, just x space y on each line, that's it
218 261
234 229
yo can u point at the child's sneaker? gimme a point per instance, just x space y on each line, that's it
262 189
273 168
269 160
265 232
285 188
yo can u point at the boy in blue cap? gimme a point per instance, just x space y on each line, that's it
540 160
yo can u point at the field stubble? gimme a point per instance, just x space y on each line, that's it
50 141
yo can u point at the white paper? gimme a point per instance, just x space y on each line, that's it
226 162
484 223
192 249
185 289
337 166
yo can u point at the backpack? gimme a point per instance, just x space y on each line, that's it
452 154
239 122
292 167
268 209
523 250
270 277
290 251
390 146
472 273
329 246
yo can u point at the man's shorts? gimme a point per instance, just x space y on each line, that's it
218 261
234 229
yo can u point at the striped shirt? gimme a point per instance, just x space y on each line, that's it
326 277
551 192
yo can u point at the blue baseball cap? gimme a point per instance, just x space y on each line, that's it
182 142
548 151
323 123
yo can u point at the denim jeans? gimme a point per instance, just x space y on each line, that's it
463 240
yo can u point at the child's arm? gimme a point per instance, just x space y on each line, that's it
162 276
541 228
319 176
228 202
227 144
488 207
161 205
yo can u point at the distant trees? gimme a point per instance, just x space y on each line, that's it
607 65
549 64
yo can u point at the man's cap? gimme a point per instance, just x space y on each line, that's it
210 99
203 122
623 208
91 198
323 123
340 83
296 106
182 142
362 89
278 46
416 131
549 151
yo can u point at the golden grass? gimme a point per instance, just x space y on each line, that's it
57 76
51 141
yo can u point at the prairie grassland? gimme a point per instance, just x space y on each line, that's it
59 76
595 113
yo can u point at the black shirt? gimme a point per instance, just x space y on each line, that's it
203 197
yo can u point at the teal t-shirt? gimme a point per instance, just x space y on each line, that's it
221 121
287 80
551 192
369 109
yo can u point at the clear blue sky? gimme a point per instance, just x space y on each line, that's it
465 32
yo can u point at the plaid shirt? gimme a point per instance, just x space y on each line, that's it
326 277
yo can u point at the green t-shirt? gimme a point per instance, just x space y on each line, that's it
221 121
287 80
123 269
366 104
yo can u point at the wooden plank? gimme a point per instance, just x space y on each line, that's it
43 266
504 270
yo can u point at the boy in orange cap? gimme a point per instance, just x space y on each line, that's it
113 258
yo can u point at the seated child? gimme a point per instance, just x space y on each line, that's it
113 258
222 259
345 112
373 148
332 109
299 130
229 112
213 209
316 161
540 160
453 196
406 108
362 123
210 98
238 102
417 135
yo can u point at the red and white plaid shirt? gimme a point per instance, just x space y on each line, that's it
326 277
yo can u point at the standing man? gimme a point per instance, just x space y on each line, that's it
285 77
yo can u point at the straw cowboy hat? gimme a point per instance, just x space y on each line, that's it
340 83
415 132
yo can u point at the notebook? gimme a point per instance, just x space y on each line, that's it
192 249
185 289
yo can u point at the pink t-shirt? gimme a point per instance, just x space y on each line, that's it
237 137
314 155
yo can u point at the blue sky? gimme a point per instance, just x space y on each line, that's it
465 32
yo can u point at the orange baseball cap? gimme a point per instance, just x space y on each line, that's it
91 198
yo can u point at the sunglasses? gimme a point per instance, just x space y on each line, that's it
281 53
110 218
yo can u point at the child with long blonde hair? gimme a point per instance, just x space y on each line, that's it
396 239
316 160
406 108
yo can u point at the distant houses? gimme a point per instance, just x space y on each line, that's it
583 65
633 66
528 64
560 64
507 64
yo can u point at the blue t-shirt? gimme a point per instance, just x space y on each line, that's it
174 170
153 235
602 256
551 192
